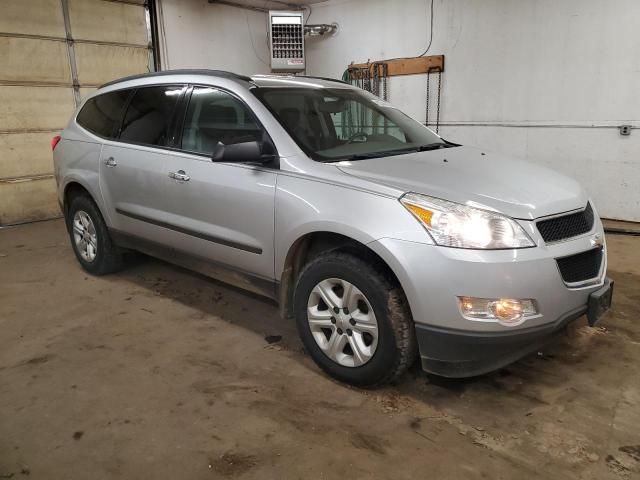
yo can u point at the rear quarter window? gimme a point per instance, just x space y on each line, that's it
101 115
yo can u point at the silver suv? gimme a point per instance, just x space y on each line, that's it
383 240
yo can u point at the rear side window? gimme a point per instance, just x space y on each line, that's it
149 115
216 117
101 115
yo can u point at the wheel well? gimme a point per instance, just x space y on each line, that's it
310 246
71 191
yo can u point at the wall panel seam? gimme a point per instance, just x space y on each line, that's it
27 178
27 83
30 130
71 52
74 40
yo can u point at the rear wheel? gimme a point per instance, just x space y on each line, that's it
353 320
90 238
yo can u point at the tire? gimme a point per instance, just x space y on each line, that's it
395 346
107 258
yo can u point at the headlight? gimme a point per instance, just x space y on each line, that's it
455 225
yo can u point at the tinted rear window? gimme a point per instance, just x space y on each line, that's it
149 115
101 115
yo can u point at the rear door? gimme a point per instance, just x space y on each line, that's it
132 167
223 212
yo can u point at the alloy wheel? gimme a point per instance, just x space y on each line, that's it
85 236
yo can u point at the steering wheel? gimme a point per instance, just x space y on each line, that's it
353 137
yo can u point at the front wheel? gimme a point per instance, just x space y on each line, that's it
353 320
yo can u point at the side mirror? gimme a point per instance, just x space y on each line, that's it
246 152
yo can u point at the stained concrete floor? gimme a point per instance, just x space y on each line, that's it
156 372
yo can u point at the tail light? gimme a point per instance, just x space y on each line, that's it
54 142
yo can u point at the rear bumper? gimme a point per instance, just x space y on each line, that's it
458 354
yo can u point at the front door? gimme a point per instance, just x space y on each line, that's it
220 212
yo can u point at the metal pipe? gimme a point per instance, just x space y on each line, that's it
229 3
529 125
320 29
238 5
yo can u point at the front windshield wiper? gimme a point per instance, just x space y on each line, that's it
364 156
399 151
432 146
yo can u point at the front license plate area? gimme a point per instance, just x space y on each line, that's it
599 302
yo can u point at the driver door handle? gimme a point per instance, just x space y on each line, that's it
180 175
110 162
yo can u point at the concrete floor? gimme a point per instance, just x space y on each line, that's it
159 373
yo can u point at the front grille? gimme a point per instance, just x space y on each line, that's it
567 226
580 267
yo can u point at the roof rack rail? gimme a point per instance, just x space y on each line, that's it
324 78
213 73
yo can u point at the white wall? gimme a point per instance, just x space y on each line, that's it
202 35
526 77
531 76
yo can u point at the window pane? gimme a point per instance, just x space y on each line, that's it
215 116
101 114
370 122
149 115
332 124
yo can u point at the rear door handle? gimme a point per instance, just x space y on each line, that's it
180 175
110 162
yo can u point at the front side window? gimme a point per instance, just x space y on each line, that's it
101 115
149 114
333 124
213 117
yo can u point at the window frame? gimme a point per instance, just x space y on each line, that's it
185 107
176 126
172 122
116 130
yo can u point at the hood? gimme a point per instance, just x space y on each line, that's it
470 176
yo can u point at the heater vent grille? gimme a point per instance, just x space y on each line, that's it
286 32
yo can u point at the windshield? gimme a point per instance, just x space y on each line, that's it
332 124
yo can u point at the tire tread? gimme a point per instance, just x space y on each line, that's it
398 311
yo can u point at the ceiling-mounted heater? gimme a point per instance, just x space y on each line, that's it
286 41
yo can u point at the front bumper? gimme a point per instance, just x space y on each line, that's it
433 277
458 354
454 354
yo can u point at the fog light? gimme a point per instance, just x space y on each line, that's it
507 311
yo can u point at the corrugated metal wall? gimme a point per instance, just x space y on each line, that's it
52 53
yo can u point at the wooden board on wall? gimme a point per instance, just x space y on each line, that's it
406 66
